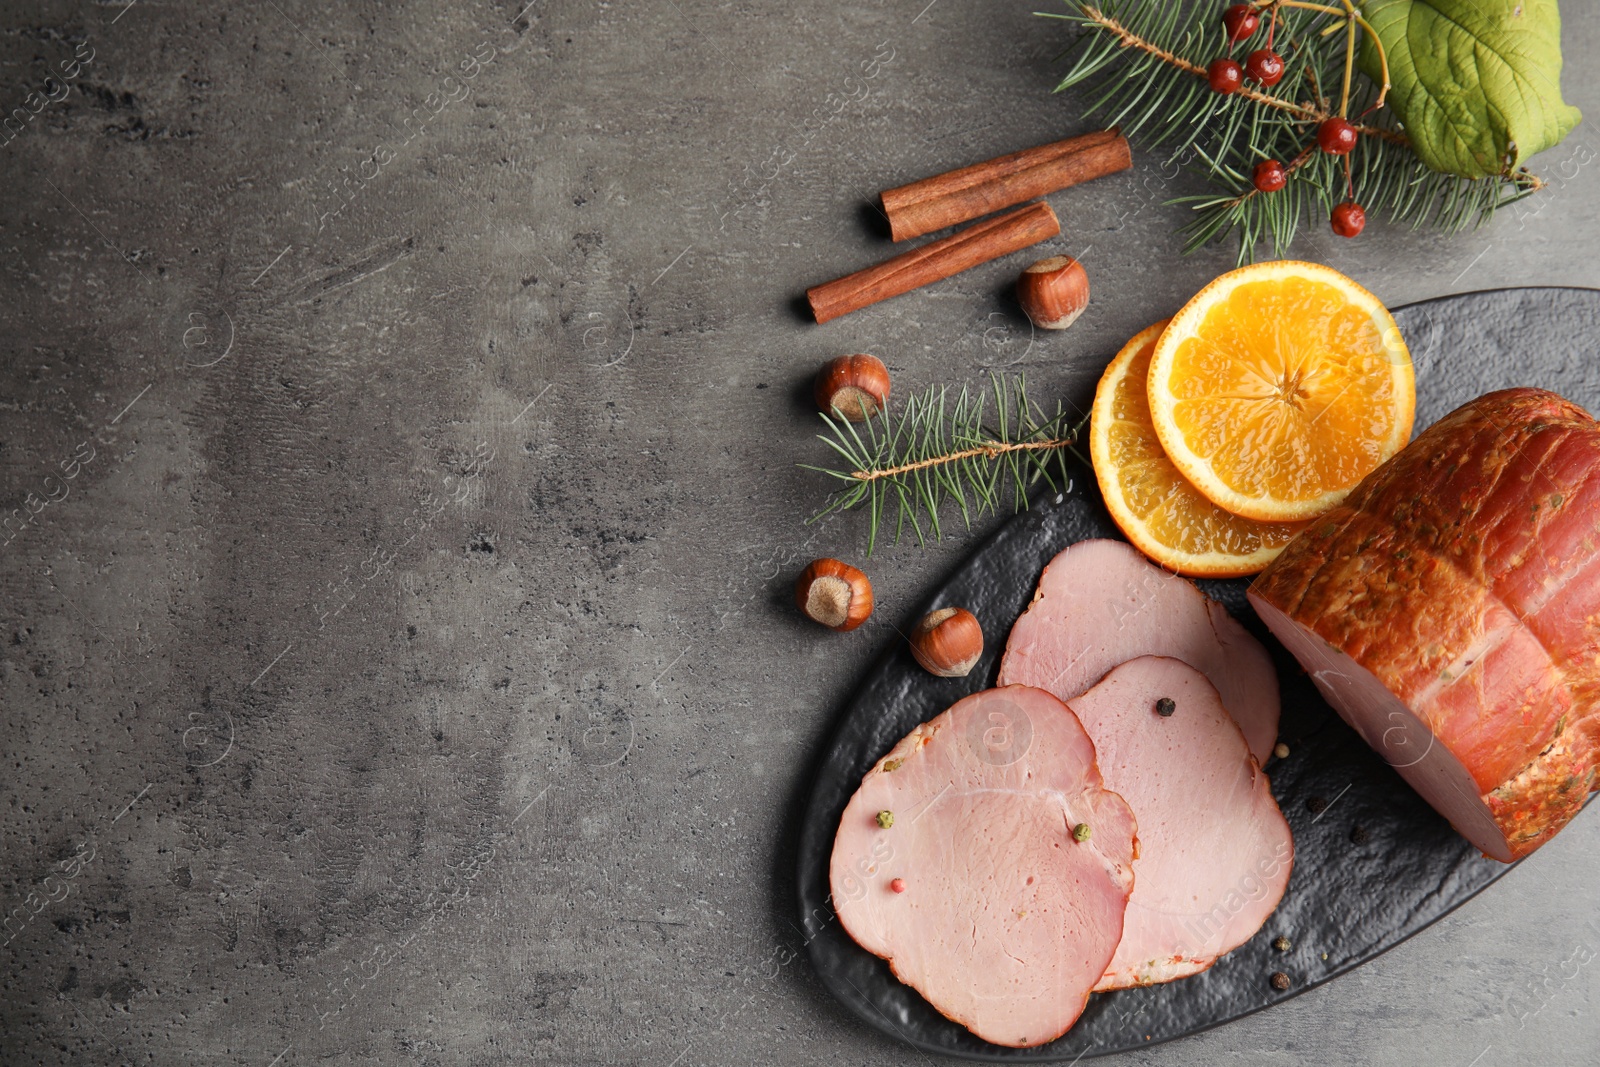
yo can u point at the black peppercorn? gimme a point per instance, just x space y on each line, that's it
1316 805
1166 706
1280 981
1358 835
1281 943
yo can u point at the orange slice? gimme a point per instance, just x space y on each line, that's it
1164 516
1279 387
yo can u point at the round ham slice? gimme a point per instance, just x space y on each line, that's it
1214 850
1449 609
977 892
1101 603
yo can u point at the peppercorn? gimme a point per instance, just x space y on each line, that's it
898 885
885 818
1280 750
1281 943
1316 805
1358 835
892 765
1165 707
1280 981
1080 832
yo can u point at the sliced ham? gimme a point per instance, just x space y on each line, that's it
1002 920
1101 603
1449 609
1214 850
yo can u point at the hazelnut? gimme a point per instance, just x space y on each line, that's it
834 594
948 642
854 387
1054 292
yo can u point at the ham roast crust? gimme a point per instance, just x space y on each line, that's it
1004 922
1463 576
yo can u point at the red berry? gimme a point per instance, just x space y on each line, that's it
1264 66
1225 76
1348 219
1336 137
1269 176
898 885
1240 21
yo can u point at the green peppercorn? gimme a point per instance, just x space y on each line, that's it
885 818
1080 832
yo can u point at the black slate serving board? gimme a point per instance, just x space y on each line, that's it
1373 865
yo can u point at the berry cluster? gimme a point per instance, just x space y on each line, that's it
1335 135
1263 66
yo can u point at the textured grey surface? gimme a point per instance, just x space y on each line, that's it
404 673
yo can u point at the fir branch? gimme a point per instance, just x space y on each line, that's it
943 449
1094 16
1145 63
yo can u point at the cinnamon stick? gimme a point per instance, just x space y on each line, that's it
955 197
931 262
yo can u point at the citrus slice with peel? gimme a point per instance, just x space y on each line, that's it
1164 516
1279 387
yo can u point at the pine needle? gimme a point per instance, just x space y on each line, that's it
975 451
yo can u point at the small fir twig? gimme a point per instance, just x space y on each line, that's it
972 449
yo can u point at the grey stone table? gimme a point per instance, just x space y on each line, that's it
404 402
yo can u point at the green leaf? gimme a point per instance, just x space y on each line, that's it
1477 83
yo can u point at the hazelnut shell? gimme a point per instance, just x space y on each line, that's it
853 387
1053 292
834 594
948 642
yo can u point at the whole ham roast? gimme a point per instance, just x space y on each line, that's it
1449 609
